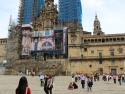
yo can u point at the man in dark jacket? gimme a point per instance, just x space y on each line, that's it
45 85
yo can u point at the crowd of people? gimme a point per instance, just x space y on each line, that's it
108 77
84 79
47 81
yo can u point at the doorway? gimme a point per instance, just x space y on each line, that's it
101 71
113 71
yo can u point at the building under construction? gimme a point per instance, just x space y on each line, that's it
53 41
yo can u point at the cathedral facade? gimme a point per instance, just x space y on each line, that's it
64 48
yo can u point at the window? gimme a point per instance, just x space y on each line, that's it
100 62
121 68
85 49
36 33
120 50
113 61
112 53
90 66
47 23
82 56
47 33
100 55
92 51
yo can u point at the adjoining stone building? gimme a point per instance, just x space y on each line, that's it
62 48
102 53
3 42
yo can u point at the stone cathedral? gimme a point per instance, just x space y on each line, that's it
51 47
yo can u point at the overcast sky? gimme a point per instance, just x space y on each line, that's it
111 14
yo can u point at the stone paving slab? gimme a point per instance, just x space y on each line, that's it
8 84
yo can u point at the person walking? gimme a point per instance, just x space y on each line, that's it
83 81
89 84
114 78
49 85
119 79
23 86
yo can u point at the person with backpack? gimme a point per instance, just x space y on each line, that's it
89 84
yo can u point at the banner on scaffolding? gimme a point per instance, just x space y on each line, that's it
64 40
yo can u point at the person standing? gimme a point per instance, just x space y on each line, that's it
23 86
83 81
42 79
123 77
89 84
72 77
45 85
114 78
76 77
119 79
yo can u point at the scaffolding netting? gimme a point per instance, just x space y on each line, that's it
70 10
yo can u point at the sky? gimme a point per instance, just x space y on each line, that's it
111 14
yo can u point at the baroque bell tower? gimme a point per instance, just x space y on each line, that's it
48 17
97 27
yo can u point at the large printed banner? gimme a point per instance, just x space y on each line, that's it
64 40
37 41
26 42
41 40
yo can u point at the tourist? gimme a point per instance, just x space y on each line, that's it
83 81
123 77
42 79
76 77
119 79
49 85
95 77
23 86
72 77
114 78
53 79
71 87
98 77
45 85
107 78
89 84
75 85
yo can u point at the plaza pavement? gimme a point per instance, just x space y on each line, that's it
8 85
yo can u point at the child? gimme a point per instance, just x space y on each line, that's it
89 84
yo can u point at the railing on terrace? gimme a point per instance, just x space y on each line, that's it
97 57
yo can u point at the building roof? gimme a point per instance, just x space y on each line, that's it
106 35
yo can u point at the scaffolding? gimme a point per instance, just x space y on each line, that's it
39 4
27 17
70 10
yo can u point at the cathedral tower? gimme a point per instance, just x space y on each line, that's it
97 27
